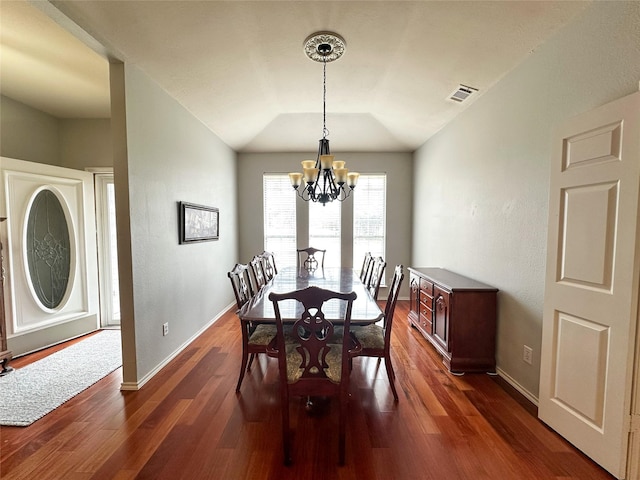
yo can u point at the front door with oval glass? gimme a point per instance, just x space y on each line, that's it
51 258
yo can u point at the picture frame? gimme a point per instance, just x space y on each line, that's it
197 223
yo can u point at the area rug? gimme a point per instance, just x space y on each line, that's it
30 392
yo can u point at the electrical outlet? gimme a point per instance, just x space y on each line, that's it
527 355
165 329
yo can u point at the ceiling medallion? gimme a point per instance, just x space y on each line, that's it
324 46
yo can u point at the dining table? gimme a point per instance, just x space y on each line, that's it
364 311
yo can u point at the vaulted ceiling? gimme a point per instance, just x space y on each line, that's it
240 68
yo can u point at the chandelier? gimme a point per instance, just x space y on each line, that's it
325 179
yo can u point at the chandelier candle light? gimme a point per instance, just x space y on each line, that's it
324 177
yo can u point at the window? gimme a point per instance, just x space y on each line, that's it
279 219
324 230
49 254
369 217
107 249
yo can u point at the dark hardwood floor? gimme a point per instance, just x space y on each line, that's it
188 423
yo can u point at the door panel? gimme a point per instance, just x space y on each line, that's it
32 324
441 317
591 294
588 228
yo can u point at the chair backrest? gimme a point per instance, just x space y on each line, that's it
269 265
366 267
390 307
241 283
310 258
309 357
375 277
257 268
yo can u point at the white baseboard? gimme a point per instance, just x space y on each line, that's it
510 380
132 386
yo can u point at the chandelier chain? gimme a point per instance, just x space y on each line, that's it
325 132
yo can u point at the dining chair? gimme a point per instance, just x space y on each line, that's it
255 337
375 277
269 265
308 258
366 267
257 268
312 361
241 283
375 339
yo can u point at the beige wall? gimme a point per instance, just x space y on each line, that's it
28 134
35 136
86 143
482 182
163 155
397 166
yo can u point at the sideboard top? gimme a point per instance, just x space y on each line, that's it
451 280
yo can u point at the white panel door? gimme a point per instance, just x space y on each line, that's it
591 293
78 300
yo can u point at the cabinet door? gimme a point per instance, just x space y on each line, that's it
441 316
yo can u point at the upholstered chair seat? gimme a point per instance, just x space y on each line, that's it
369 336
262 335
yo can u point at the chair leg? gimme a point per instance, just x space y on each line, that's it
391 374
250 361
245 354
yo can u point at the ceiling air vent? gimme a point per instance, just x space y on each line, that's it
461 93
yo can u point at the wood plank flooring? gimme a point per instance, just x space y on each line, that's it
188 423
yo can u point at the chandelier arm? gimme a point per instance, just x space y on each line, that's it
335 188
344 194
311 194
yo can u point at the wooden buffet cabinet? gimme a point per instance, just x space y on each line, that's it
5 354
457 315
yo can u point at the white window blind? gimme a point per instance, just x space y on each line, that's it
324 230
279 218
369 217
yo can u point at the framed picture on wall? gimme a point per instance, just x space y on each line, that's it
198 223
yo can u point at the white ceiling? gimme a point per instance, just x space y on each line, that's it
239 66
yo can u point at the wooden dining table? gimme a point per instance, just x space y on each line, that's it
364 311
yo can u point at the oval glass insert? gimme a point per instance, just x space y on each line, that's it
48 249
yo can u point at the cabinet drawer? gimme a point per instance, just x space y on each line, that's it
426 319
426 286
426 312
426 300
